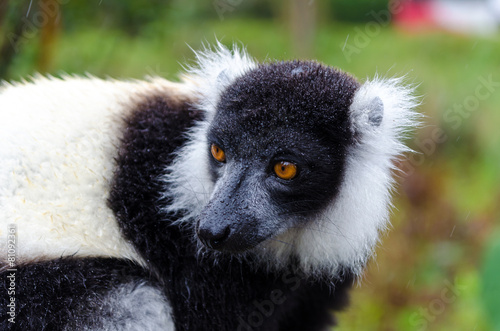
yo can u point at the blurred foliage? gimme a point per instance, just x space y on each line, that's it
131 16
428 273
490 279
356 11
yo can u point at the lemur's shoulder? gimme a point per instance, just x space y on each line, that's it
70 132
154 131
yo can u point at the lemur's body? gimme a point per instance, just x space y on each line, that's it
113 190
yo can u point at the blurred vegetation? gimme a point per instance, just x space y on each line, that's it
438 267
491 285
355 11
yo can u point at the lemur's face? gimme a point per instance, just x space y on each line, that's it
277 147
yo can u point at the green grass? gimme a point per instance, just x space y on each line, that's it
448 206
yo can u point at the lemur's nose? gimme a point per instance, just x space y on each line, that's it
213 237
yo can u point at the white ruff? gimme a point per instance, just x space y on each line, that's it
346 233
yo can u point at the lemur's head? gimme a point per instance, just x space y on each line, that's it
277 145
292 160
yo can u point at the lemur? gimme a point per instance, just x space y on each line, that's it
247 196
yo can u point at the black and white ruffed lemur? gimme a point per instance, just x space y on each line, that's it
246 197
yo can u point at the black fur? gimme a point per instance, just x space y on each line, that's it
54 294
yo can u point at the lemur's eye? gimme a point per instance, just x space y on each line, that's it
285 170
218 153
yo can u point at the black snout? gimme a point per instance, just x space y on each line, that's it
231 222
213 237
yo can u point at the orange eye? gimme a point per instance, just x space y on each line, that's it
285 170
218 153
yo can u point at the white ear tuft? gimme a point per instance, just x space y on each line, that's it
216 69
382 112
385 106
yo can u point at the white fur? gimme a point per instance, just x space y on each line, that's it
188 180
215 71
134 307
348 230
58 142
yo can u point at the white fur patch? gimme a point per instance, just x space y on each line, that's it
134 307
58 142
215 71
189 183
346 233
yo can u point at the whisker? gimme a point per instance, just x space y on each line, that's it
318 230
296 202
283 242
337 231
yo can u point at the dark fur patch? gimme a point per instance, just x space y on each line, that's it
308 93
52 295
154 130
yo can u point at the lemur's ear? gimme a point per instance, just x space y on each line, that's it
375 110
223 78
367 113
384 106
